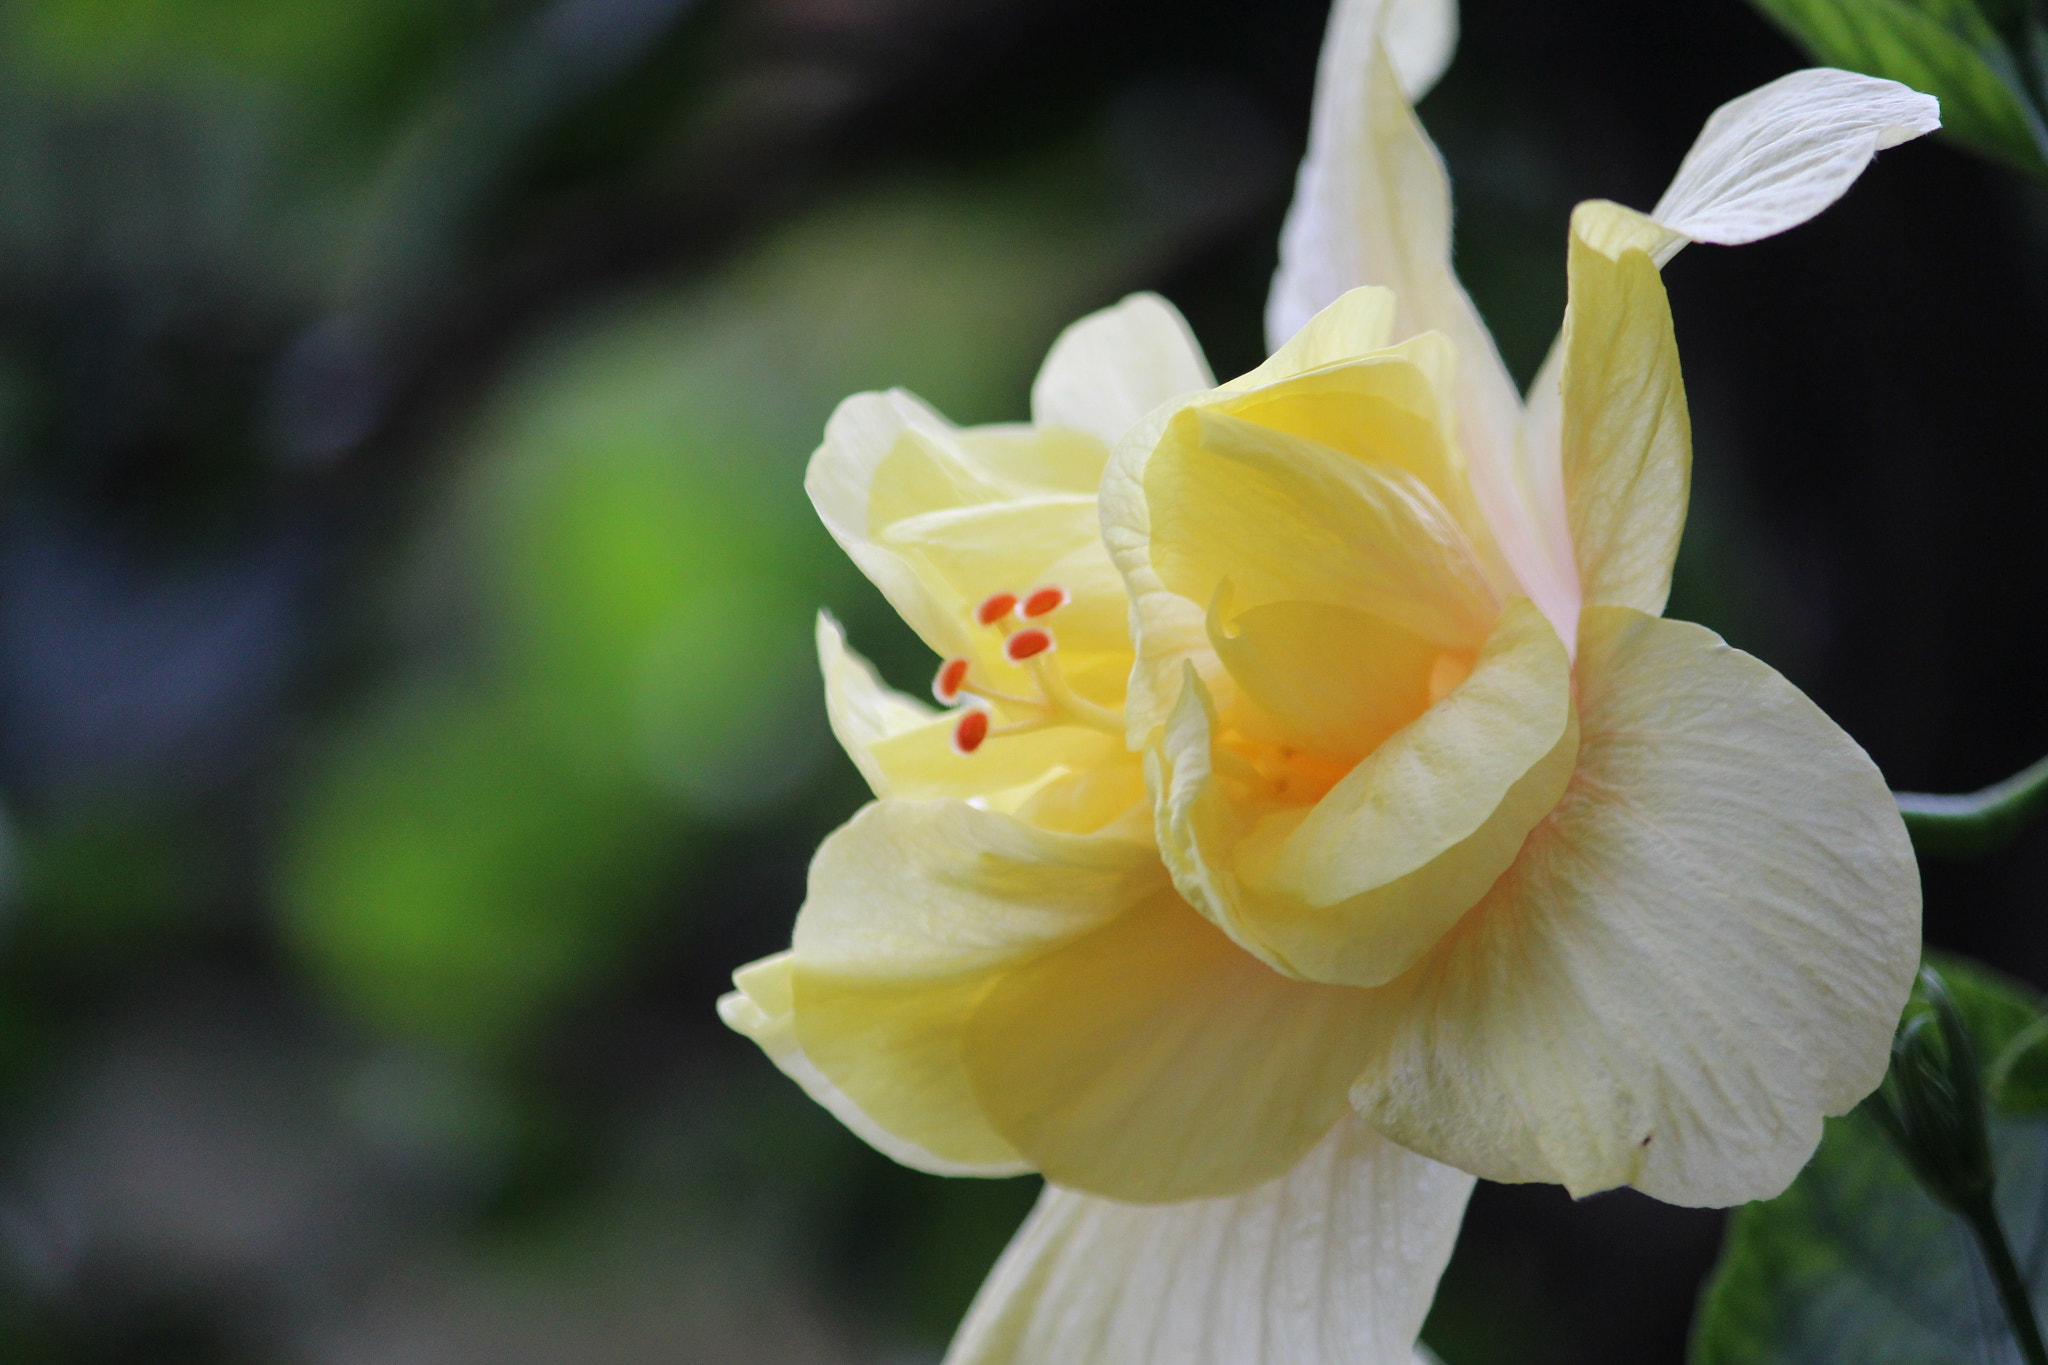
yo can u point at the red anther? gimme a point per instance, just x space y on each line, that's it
970 732
946 687
1045 601
994 608
1026 644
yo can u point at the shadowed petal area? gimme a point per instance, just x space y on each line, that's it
1333 1264
1356 888
915 911
1112 367
1155 1060
1697 956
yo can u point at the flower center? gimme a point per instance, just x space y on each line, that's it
1029 643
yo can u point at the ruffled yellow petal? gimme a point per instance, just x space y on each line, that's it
1372 207
887 458
1334 1263
1697 956
915 911
1357 322
1627 443
1356 888
1332 680
1283 519
1154 1060
1381 408
1112 367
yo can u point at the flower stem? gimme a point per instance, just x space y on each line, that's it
1980 822
2012 1289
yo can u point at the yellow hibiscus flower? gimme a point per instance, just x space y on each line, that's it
1342 819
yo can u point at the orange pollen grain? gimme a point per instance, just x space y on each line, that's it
952 673
970 732
1027 644
995 607
1045 601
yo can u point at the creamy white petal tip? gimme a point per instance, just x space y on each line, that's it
1334 1263
1779 155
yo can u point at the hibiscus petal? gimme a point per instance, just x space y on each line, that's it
1777 156
915 910
964 554
763 1009
862 708
1335 681
1154 1060
1334 1263
1373 207
1627 441
1286 519
887 458
1112 367
1358 887
1701 953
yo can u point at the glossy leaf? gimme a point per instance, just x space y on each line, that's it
1946 48
1856 1262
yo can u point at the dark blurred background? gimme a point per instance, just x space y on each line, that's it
406 711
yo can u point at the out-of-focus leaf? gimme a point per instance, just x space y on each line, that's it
454 877
623 589
1946 48
1857 1263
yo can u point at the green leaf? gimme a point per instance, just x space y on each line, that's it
1857 1263
1946 48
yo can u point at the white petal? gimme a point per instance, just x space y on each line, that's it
1421 36
1780 154
1334 1263
863 709
1112 367
1373 207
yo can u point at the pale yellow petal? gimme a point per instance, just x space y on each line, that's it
1153 1060
1358 322
1112 367
1286 519
915 911
1372 207
1701 953
1381 408
862 708
1334 1263
887 458
922 765
1358 887
964 554
763 1009
1626 437
1330 679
